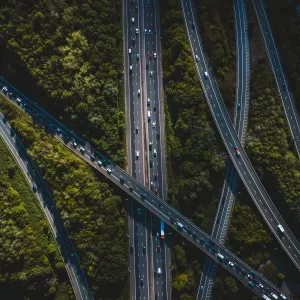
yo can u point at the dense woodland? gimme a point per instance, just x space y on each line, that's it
30 264
72 50
97 219
285 25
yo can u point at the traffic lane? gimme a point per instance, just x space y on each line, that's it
248 168
160 212
72 265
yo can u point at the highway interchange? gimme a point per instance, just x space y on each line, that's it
231 140
145 197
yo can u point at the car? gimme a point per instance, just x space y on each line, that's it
151 185
201 288
19 101
150 56
130 189
136 130
218 221
157 234
132 20
157 135
146 31
284 87
137 154
108 170
261 286
139 92
154 108
237 152
155 176
143 196
149 32
230 264
131 249
193 26
154 54
148 101
239 106
197 58
249 277
144 250
122 180
82 150
205 75
133 41
130 68
151 73
156 192
155 272
34 188
158 248
147 67
150 146
153 125
159 271
99 162
251 284
139 211
142 282
129 50
137 31
154 153
274 296
92 157
137 56
151 163
282 296
74 144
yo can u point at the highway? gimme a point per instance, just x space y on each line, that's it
136 156
222 218
47 204
151 60
145 197
280 78
238 156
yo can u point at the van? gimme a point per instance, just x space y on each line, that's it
149 116
280 229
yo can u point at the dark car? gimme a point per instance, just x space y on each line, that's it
34 188
142 282
151 163
194 235
193 26
121 180
157 135
130 188
144 250
284 87
131 249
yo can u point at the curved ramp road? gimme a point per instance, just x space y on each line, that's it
47 203
145 197
222 219
281 81
231 141
137 219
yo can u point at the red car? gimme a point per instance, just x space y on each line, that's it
156 192
150 55
155 176
237 152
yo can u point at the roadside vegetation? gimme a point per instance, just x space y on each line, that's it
92 211
195 155
67 56
30 263
285 25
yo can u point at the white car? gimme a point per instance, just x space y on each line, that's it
132 20
75 144
99 163
136 30
274 296
129 50
197 58
82 150
130 68
151 73
153 125
137 154
18 100
146 31
205 75
154 54
154 152
108 170
139 92
261 286
148 101
231 265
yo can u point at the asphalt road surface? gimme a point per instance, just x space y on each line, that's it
280 78
238 156
222 219
145 197
47 204
138 218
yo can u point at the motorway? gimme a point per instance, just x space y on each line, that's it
238 156
145 197
47 204
151 62
137 218
222 218
280 78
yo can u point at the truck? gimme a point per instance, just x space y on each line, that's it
162 229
